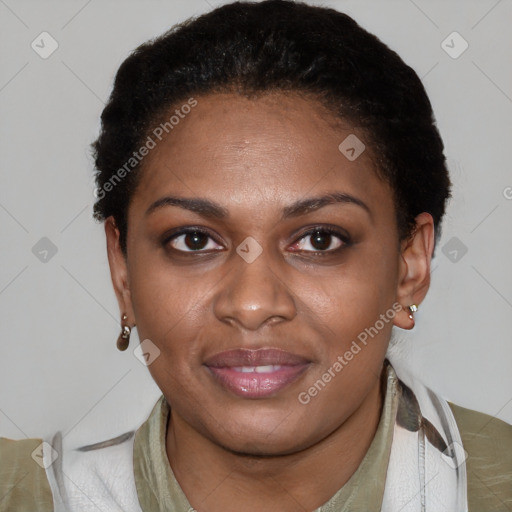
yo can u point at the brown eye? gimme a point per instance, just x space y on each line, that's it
321 240
193 240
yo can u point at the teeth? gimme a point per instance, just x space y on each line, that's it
257 369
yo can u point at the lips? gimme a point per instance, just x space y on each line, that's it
260 357
256 373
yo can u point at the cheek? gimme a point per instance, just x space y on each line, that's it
166 306
359 291
356 306
357 315
168 313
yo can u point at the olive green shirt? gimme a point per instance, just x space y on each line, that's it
24 486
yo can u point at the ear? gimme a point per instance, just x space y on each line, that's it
414 269
118 270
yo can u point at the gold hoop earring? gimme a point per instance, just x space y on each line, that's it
124 338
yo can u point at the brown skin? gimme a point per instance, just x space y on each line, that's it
254 157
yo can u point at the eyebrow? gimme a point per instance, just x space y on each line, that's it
210 209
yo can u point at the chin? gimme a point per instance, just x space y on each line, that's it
259 447
273 437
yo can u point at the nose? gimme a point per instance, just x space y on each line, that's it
253 294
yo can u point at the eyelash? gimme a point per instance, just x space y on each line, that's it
322 229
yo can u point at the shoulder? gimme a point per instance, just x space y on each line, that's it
488 443
24 486
39 475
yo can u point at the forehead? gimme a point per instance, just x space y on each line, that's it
272 149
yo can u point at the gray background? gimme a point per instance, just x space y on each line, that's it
59 367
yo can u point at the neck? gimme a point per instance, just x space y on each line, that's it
215 479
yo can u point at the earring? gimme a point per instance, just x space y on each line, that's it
412 308
124 338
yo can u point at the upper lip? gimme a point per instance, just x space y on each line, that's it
255 357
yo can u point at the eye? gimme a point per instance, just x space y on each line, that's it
323 239
191 240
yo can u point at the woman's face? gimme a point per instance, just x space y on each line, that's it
256 276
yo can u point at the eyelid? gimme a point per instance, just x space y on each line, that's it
324 228
332 230
177 232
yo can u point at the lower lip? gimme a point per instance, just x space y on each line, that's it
257 385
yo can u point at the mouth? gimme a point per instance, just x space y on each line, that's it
256 373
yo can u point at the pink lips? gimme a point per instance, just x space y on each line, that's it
256 373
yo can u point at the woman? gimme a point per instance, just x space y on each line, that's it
272 185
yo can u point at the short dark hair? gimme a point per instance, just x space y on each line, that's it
278 46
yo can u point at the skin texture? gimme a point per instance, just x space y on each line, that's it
255 157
